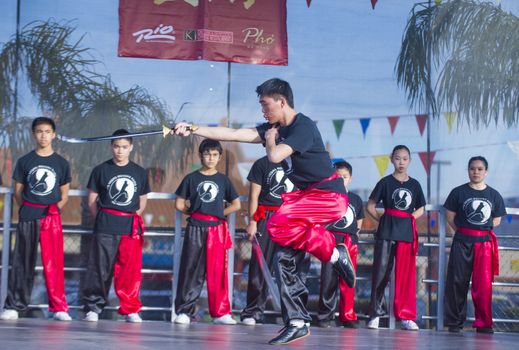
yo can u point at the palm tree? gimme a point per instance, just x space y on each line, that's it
472 50
60 75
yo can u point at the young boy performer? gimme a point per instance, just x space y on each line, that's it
346 231
396 240
42 181
472 210
207 238
117 197
293 138
268 182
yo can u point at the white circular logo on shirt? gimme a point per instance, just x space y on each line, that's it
346 220
41 180
207 191
278 182
121 189
402 198
477 210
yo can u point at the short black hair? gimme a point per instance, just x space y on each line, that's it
210 145
122 132
481 158
398 148
343 165
274 88
43 120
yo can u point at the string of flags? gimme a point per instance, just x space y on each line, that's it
421 122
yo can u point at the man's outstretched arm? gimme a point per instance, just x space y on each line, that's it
219 133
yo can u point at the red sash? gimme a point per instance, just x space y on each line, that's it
227 237
261 212
493 239
136 223
329 178
404 214
52 209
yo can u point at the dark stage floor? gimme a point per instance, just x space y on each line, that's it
29 334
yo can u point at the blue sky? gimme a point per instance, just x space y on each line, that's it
341 66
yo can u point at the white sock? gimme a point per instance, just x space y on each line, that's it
335 256
297 322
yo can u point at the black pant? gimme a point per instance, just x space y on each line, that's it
100 269
383 261
329 289
23 262
257 289
291 267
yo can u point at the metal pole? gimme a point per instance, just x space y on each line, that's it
441 269
6 246
176 260
392 322
14 125
228 114
230 252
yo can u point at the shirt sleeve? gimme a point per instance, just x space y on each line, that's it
18 173
499 207
262 129
93 181
451 203
145 188
376 194
360 214
301 136
66 177
183 188
230 191
420 197
256 173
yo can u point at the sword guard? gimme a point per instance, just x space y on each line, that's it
165 131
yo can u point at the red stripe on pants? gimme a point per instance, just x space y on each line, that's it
482 284
299 221
51 243
405 281
127 274
346 303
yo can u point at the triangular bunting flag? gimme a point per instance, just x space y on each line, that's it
382 162
373 3
450 117
338 124
514 146
364 123
421 119
308 2
393 121
425 161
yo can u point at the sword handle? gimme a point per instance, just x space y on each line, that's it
167 130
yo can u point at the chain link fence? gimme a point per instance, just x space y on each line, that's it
161 254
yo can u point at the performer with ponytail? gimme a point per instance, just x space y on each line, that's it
396 240
472 211
117 197
201 195
42 180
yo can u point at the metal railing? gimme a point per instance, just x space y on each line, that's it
436 251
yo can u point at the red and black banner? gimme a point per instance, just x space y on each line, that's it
241 31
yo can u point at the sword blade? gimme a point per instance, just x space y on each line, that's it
164 132
272 286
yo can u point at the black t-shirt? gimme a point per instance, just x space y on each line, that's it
206 195
405 196
475 209
42 178
119 188
348 222
310 162
272 179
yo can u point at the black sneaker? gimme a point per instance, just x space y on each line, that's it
344 267
485 330
350 324
289 334
455 329
324 324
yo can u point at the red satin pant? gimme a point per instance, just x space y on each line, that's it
300 220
